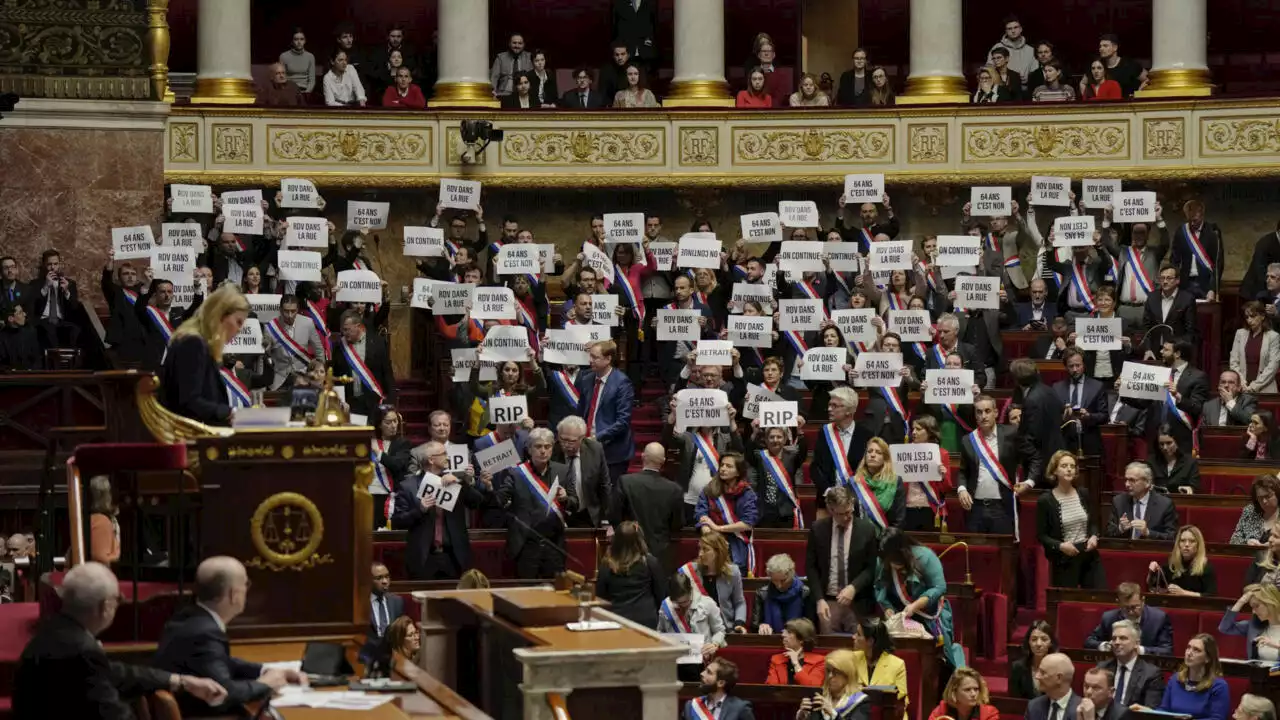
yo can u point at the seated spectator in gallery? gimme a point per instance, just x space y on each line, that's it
808 95
1100 86
1187 572
582 96
299 63
1009 80
522 98
104 528
404 93
508 65
19 344
281 91
635 94
543 81
754 96
881 91
1055 87
342 86
988 92
797 664
1258 519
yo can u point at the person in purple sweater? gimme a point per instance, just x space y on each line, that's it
1198 688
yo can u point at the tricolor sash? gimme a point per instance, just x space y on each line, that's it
690 570
865 240
1137 270
161 320
940 356
1197 249
807 289
540 489
700 298
935 500
895 302
677 620
487 440
130 296
276 330
377 448
870 503
361 370
849 703
1012 262
722 508
892 397
525 315
839 454
988 457
1081 285
796 341
904 597
631 292
450 247
774 467
317 317
359 264
699 710
707 450
1178 412
563 385
953 414
495 246
920 350
739 272
237 394
990 241
928 276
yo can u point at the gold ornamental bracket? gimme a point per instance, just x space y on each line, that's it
165 425
286 530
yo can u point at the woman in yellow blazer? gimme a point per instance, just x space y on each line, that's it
874 658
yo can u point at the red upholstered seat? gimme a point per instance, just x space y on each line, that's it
158 601
1216 523
391 554
1229 646
112 457
1222 443
1223 482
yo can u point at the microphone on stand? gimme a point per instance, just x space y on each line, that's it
968 576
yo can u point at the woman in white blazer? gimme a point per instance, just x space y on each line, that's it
1260 375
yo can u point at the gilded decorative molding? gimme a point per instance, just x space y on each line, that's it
317 145
869 144
587 146
1102 140
184 142
927 144
1164 138
1240 136
700 146
233 144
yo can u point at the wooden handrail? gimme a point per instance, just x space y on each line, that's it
559 708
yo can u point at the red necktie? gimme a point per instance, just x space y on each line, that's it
438 541
595 403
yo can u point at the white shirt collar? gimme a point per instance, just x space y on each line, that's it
216 617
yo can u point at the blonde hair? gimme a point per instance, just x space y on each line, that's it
845 663
1175 557
206 323
1268 596
886 470
473 579
1051 470
716 543
959 676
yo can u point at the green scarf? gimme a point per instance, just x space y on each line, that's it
884 489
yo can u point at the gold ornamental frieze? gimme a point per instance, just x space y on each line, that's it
233 144
321 145
1103 140
869 144
184 142
1164 138
631 147
286 530
927 144
1240 136
700 146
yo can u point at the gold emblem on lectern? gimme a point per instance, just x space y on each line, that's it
286 530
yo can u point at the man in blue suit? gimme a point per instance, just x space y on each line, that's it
385 607
714 700
1154 624
606 400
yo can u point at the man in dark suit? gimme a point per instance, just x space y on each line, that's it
19 345
1189 388
1039 312
1156 628
373 384
826 470
125 331
194 641
1098 701
1171 306
12 290
635 23
159 317
1084 400
437 546
606 399
1135 680
1053 678
1141 514
64 672
613 77
588 475
1231 406
231 257
384 607
714 701
1255 285
988 493
582 96
844 594
1051 346
880 418
534 494
1198 252
1042 414
654 502
55 304
949 342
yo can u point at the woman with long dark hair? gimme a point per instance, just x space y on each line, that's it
389 451
910 584
1173 469
877 665
1036 644
730 507
1259 439
631 578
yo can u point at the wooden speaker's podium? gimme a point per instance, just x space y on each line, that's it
504 650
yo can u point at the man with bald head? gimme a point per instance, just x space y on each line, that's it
654 502
437 546
1053 678
195 641
280 91
64 672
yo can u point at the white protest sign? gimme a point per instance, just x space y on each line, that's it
744 292
785 413
917 462
802 214
421 297
842 256
363 215
855 325
878 369
598 260
508 409
306 232
132 243
1098 333
463 361
363 286
822 363
679 325
624 227
1097 194
701 408
948 387
299 265
751 331
1073 231
587 334
765 227
804 315
565 347
990 201
715 352
801 256
298 193
266 307
864 188
911 325
242 212
499 457
503 343
181 235
492 303
892 255
451 298
172 264
1134 207
460 194
698 250
756 395
420 241
959 251
1144 382
664 254
248 341
977 293
604 309
459 456
184 294
191 199
446 498
519 259
1051 191
547 256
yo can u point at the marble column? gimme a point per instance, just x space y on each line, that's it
223 75
699 67
1179 40
937 74
463 56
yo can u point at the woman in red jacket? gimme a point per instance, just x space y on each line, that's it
754 96
797 665
1099 86
966 698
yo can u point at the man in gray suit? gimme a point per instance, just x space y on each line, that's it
588 476
1058 702
1232 406
1141 513
292 343
1135 679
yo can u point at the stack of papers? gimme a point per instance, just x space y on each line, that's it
297 696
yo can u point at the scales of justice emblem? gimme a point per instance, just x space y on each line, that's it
287 530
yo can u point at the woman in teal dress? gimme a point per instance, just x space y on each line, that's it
909 578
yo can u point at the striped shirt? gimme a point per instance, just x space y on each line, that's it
1044 93
1075 522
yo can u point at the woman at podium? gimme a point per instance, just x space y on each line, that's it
191 381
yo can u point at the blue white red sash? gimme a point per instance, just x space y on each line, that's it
361 370
722 508
920 350
839 454
476 325
525 315
953 414
928 276
774 467
377 448
276 330
1178 412
939 356
990 241
796 341
317 317
870 504
892 397
540 489
700 710
495 246
631 292
130 296
1012 262
1081 285
849 703
677 620
988 457
161 320
1197 249
488 439
931 494
450 247
1137 270
700 298
561 382
904 597
237 394
895 302
707 450
739 272
690 570
807 289
865 240
359 264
